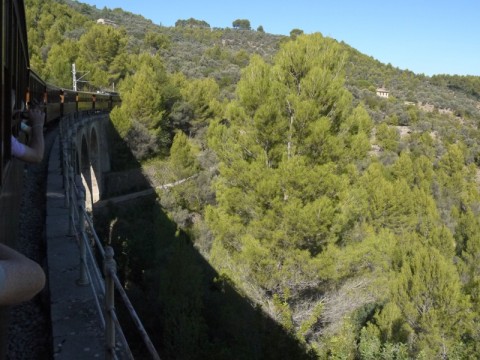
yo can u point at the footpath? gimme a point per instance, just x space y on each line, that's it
77 331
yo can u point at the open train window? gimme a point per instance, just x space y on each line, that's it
13 74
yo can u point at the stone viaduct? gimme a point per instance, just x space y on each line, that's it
85 136
86 144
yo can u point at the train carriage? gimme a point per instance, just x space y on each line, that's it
37 89
13 84
20 87
101 101
14 61
69 101
53 103
114 100
85 101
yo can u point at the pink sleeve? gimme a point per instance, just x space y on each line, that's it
18 149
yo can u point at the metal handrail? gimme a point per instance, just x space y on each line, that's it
121 334
90 273
135 318
99 279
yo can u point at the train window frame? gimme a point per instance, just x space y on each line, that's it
14 78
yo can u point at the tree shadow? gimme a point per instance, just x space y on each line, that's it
190 311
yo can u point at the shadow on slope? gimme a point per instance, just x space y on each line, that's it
189 310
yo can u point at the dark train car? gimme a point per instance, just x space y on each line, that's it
85 101
101 101
13 87
69 101
20 88
114 100
37 89
53 103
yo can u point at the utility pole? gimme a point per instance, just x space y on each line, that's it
74 72
75 80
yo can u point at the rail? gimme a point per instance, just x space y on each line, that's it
103 282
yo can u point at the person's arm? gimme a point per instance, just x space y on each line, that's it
35 149
20 277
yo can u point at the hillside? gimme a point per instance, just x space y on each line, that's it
221 53
348 218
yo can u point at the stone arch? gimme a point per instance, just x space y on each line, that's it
91 157
85 172
95 164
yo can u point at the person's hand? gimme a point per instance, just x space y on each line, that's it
37 118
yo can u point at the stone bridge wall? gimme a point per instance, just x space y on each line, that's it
88 142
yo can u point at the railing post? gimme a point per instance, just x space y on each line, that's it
83 279
66 167
71 194
109 269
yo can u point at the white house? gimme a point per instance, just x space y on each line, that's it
106 22
382 92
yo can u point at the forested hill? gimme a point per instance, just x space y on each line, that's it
350 219
200 51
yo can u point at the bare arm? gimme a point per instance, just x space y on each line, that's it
20 277
34 151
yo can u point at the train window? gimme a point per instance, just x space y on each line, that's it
13 74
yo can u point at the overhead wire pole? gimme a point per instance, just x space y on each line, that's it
75 80
74 72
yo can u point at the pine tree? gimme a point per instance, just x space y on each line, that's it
183 157
202 97
147 98
98 49
279 187
428 293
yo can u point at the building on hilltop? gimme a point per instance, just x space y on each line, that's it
106 22
382 92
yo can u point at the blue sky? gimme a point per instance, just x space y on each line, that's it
424 36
